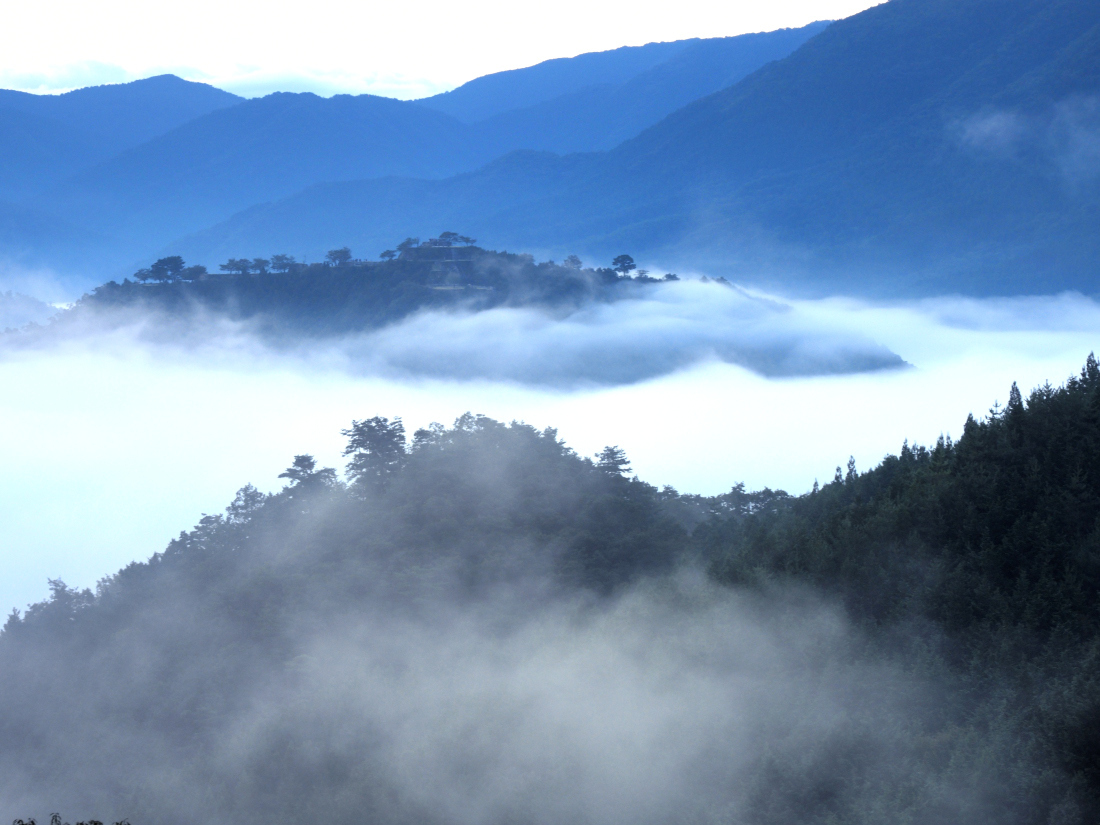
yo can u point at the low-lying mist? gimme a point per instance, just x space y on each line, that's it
17 310
443 651
481 626
487 627
661 328
124 434
674 702
675 326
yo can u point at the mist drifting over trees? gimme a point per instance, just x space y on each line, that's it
448 309
476 624
496 623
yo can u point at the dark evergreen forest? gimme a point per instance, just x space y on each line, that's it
945 602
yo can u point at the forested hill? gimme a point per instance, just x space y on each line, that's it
342 294
324 651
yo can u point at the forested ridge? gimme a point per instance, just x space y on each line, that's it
969 570
280 296
978 560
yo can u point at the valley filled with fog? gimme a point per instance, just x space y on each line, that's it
703 431
126 435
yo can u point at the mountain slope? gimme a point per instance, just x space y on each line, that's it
47 151
928 130
55 136
500 92
126 113
479 606
504 199
874 74
920 146
599 117
24 230
257 151
261 150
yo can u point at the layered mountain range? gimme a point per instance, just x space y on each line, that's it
919 147
108 176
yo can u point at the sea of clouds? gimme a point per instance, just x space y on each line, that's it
118 439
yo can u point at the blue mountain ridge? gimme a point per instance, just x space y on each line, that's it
919 147
261 150
499 92
48 138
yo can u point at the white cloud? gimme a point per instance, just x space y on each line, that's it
997 132
18 310
1065 137
63 77
669 327
1075 137
41 282
122 445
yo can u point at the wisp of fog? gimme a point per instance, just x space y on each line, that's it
674 326
377 659
675 700
104 411
662 328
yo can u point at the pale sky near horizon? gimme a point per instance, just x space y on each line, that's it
404 50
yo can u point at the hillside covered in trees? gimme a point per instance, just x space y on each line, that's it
448 309
478 624
342 294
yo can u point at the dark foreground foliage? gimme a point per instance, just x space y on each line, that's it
168 651
977 560
973 567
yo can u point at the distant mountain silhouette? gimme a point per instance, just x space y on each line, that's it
604 115
920 146
257 151
39 151
23 229
54 136
496 93
126 113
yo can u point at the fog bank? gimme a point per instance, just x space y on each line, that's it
677 700
18 310
120 444
672 326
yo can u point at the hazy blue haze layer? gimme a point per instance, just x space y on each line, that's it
97 207
916 148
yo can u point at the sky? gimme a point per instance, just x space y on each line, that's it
406 50
121 447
